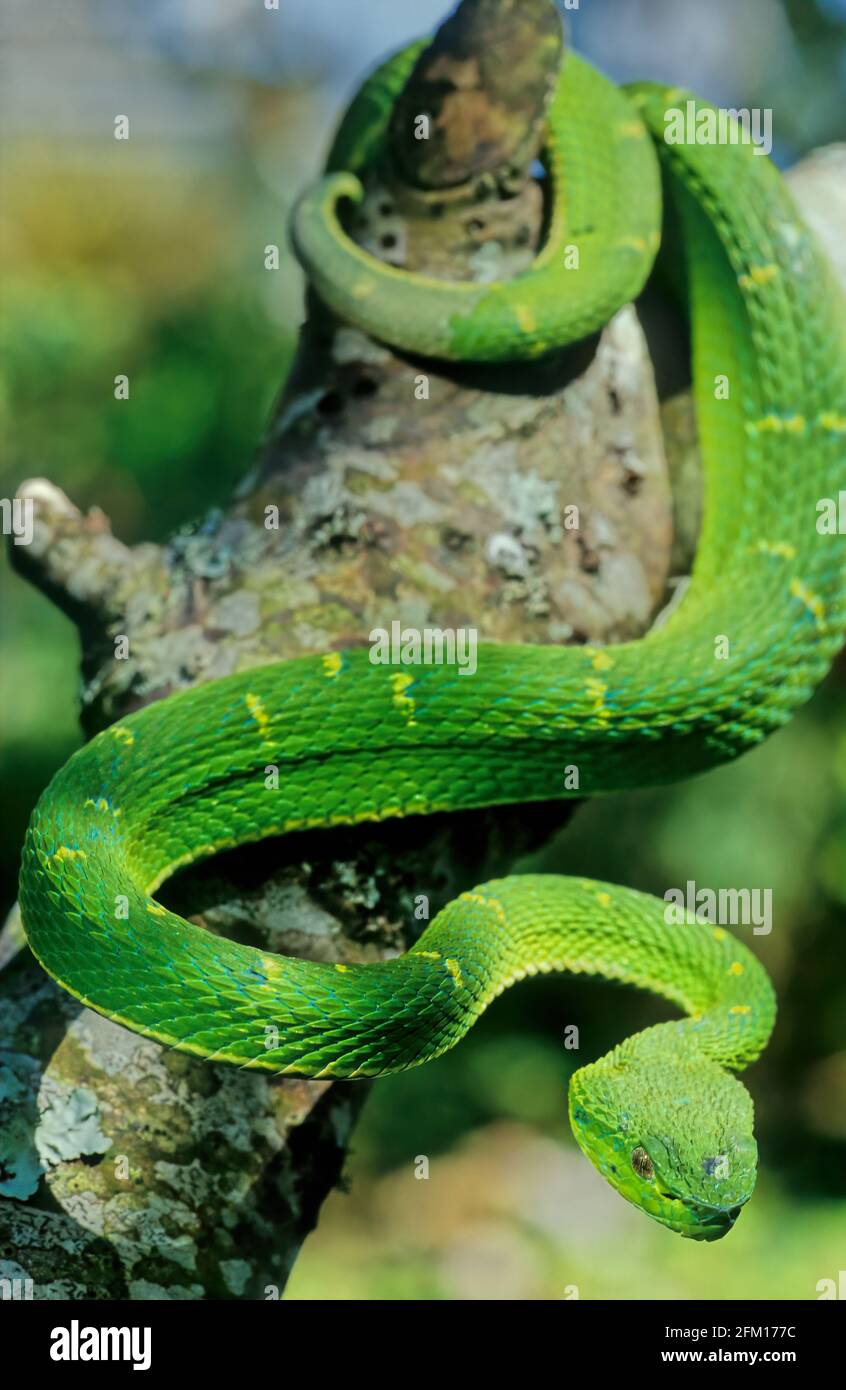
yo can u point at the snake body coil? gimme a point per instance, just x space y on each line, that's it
660 1116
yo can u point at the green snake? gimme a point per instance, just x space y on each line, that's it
662 1116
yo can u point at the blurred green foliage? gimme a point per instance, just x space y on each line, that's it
157 272
156 277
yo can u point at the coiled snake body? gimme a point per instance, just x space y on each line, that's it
661 1116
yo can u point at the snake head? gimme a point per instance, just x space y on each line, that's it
670 1129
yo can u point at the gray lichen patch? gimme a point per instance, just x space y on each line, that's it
143 1290
20 1165
236 613
236 1275
187 1145
69 1123
61 1259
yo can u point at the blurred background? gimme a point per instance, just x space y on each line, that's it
146 257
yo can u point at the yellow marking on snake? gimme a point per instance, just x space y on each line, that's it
363 289
123 735
100 805
317 822
596 690
455 971
604 899
156 910
740 1009
758 275
332 663
256 707
429 955
719 934
781 548
484 901
64 852
342 968
812 601
525 318
830 420
600 660
400 681
778 424
735 968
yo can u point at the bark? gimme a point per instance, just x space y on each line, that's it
402 491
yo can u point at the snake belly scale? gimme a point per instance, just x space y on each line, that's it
663 1117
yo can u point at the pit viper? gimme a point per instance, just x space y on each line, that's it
662 1116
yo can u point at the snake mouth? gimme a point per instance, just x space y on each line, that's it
717 1223
698 1221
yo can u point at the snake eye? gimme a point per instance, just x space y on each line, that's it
642 1164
